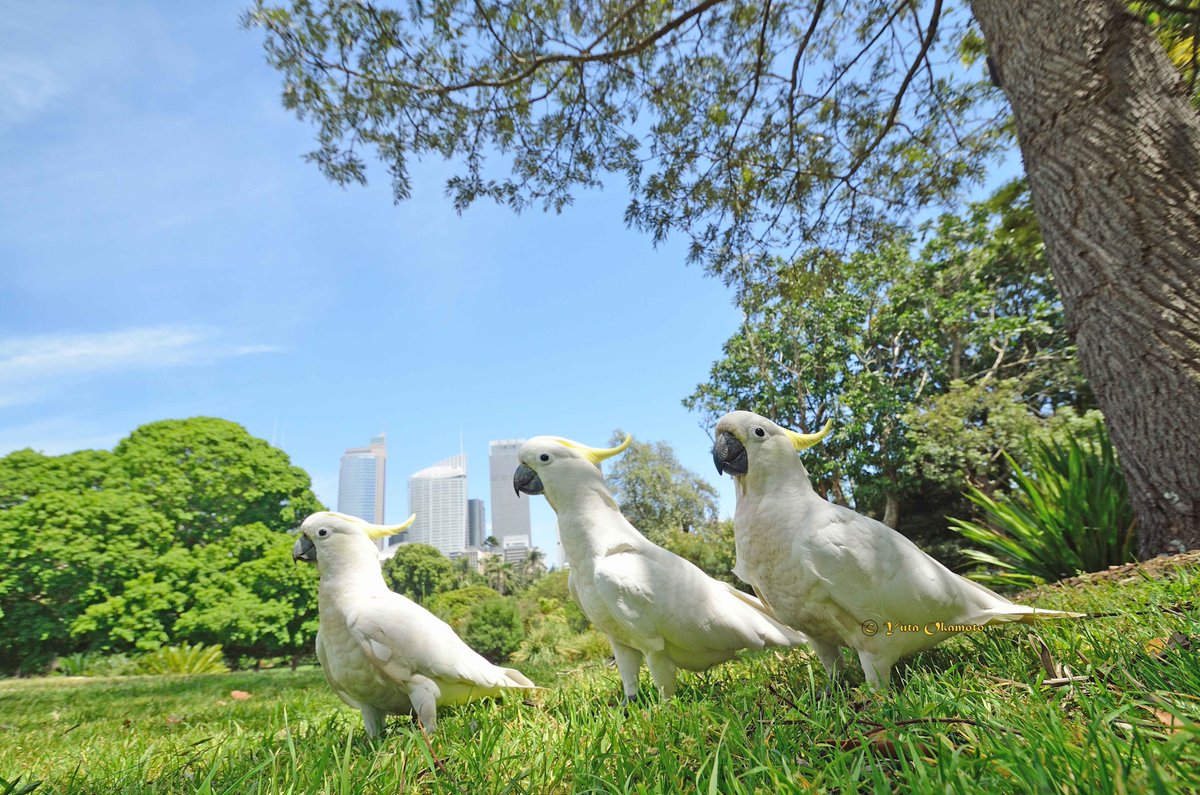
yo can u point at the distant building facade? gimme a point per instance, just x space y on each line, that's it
515 549
476 526
438 496
362 478
510 513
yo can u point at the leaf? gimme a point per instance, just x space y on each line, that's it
1053 670
239 695
1167 719
1156 646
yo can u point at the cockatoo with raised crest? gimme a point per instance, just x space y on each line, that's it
382 653
840 577
649 602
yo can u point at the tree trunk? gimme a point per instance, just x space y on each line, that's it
1111 147
891 511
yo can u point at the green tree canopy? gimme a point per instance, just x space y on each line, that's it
207 475
494 628
131 549
419 571
875 340
657 494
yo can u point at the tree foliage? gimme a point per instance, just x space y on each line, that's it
146 545
657 494
748 126
494 628
879 342
419 571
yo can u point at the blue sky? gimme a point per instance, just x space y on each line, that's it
166 253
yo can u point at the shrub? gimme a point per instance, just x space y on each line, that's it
494 628
1068 513
454 607
93 664
183 659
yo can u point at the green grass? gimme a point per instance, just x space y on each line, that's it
756 725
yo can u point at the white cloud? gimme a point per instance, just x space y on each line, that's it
27 86
28 365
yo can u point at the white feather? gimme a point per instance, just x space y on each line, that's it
844 579
381 652
648 601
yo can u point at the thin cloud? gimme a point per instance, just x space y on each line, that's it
27 87
30 364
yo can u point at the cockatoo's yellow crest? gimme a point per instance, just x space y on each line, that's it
378 531
596 454
802 441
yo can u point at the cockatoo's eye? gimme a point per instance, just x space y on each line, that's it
759 432
544 457
322 532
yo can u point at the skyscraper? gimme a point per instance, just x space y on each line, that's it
438 496
510 514
476 527
361 480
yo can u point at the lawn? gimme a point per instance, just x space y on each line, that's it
985 712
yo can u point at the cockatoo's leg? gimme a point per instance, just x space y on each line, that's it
877 668
830 655
662 671
629 663
424 692
373 719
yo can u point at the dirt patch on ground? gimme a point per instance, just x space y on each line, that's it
1156 568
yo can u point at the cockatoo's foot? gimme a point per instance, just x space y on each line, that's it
833 688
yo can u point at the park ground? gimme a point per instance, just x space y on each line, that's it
1108 704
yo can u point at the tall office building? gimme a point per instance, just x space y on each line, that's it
476 527
438 496
361 480
510 513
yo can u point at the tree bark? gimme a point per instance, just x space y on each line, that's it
1111 147
891 511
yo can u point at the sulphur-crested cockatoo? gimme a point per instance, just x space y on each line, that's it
840 577
651 603
382 653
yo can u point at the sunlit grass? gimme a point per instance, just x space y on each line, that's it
974 715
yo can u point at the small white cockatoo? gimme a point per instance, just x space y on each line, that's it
382 653
838 576
650 602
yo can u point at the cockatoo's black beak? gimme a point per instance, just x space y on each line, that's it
729 454
527 481
304 550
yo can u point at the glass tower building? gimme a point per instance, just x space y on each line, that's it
476 527
361 480
510 513
438 496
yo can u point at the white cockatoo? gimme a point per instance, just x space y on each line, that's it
840 577
650 602
382 653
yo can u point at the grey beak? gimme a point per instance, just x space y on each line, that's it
304 550
729 454
525 480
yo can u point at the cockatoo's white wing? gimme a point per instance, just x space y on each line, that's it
663 601
403 639
883 576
